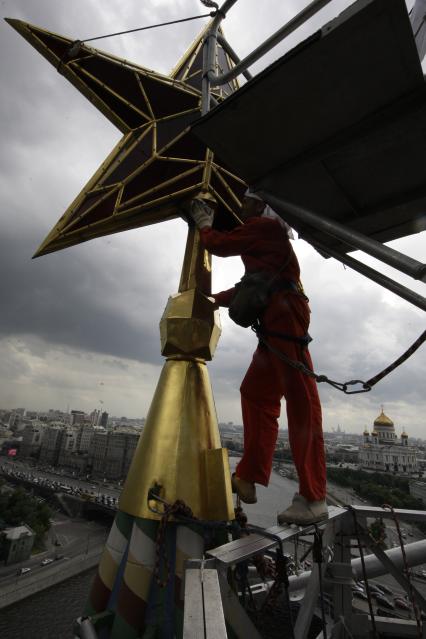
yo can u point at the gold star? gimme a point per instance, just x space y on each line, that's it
158 163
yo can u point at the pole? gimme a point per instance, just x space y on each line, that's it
400 290
401 262
270 43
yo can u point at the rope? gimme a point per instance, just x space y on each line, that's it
317 556
281 580
406 570
364 574
342 386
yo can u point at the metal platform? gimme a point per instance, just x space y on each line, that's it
246 547
336 126
335 574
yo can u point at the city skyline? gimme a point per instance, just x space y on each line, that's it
80 327
32 414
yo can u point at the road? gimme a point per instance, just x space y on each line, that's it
76 537
91 487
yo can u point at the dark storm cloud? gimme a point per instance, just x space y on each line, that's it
67 299
54 139
107 296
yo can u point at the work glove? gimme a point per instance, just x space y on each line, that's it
201 213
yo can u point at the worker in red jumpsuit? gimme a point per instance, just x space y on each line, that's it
263 244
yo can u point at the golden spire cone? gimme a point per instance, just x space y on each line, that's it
180 449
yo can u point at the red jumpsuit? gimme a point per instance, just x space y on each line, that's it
264 246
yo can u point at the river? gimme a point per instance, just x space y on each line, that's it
50 614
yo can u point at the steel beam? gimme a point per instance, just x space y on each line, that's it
355 239
234 57
402 291
306 13
392 569
415 555
235 614
209 54
384 513
305 614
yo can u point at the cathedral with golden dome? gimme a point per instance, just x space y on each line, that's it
382 451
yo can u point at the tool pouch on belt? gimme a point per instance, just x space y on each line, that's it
250 298
252 294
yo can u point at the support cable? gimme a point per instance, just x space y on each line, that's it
152 26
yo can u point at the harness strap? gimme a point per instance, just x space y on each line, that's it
303 340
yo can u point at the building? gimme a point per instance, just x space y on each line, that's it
84 438
17 544
113 452
13 419
77 417
103 421
51 444
383 452
32 437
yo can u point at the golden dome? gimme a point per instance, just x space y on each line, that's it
404 434
383 420
366 431
374 433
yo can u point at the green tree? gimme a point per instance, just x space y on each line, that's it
378 532
19 507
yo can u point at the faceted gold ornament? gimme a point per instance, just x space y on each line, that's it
190 326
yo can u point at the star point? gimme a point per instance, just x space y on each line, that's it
158 163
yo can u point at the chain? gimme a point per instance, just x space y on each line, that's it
210 4
342 386
406 570
179 508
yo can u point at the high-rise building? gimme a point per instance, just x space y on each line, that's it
77 417
84 438
51 444
104 419
32 437
113 453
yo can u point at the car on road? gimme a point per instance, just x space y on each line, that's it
23 571
383 601
359 594
46 561
383 588
401 603
58 557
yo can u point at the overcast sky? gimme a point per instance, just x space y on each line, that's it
79 328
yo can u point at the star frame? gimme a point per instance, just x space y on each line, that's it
158 164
